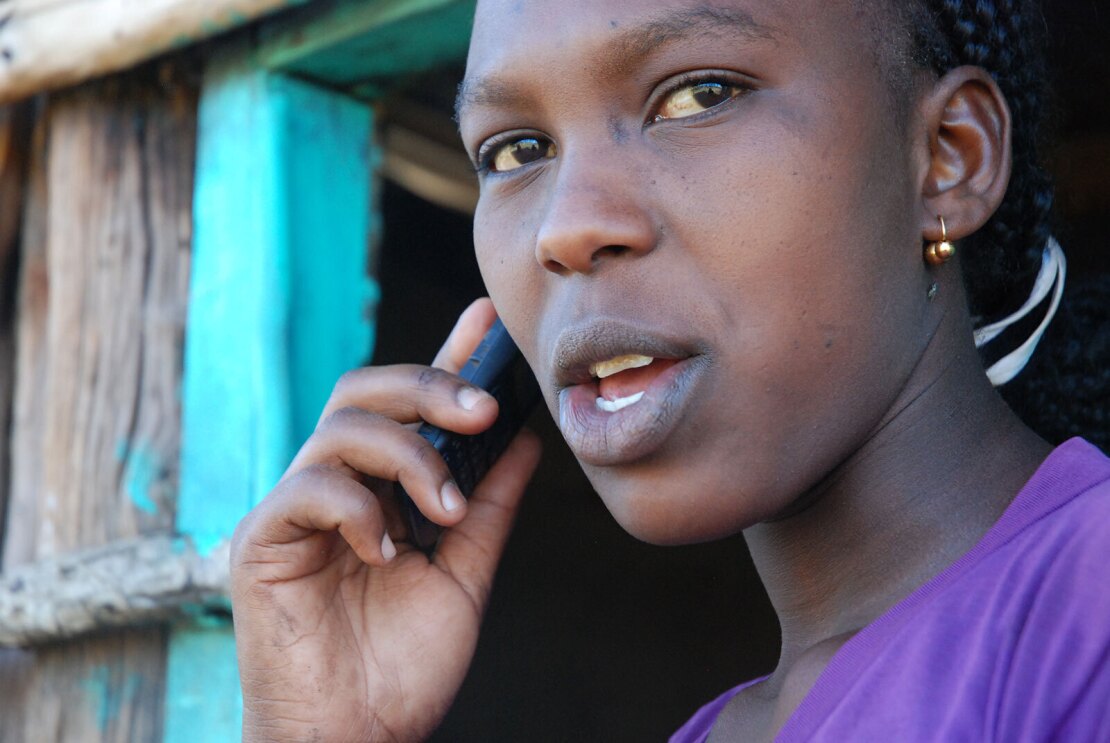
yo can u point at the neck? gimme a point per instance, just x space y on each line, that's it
926 486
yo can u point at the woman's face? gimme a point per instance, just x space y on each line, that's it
725 190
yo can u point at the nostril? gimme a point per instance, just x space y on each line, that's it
609 251
555 267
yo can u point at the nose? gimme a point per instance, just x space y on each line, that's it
596 213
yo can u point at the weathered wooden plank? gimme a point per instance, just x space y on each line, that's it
15 127
17 667
118 206
126 584
30 362
345 43
108 688
51 43
422 154
102 300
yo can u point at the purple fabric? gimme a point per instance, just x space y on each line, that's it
1009 643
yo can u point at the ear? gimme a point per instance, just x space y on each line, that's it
969 162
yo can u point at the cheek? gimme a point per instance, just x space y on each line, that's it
820 315
502 246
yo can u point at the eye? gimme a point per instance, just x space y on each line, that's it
505 156
694 98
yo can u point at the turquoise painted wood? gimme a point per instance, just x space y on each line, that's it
332 223
236 396
281 303
357 45
202 682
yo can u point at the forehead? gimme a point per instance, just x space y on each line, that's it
601 38
503 28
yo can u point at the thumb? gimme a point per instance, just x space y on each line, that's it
470 551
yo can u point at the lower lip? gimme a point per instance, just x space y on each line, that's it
602 438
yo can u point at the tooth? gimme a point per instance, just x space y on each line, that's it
603 369
612 406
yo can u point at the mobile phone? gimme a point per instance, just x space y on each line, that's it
498 367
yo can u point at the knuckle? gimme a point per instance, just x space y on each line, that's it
347 383
421 458
426 377
429 378
313 472
344 418
422 453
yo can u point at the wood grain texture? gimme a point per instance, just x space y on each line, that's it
15 128
103 286
30 361
128 583
47 44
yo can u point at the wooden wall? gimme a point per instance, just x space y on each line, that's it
102 289
15 125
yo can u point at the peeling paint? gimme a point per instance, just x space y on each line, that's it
106 697
144 468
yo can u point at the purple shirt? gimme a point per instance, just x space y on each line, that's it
1009 643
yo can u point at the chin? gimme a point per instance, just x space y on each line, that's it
670 511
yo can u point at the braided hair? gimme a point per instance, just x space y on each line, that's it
1063 391
1006 38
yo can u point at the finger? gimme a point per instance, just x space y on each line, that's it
471 326
409 393
470 551
316 499
380 447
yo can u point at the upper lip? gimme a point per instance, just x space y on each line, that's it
579 346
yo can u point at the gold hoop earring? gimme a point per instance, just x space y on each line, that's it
937 253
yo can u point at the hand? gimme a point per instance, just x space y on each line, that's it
345 632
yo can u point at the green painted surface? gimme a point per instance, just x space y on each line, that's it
280 301
280 306
144 467
204 702
236 401
326 162
348 43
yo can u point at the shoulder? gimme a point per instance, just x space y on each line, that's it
1051 549
1074 485
1053 605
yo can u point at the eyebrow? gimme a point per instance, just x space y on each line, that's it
628 49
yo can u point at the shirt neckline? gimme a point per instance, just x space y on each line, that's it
1065 473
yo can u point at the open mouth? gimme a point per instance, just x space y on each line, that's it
622 381
622 390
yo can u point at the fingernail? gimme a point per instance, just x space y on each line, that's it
470 397
389 550
450 496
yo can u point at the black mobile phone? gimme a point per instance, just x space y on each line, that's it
498 367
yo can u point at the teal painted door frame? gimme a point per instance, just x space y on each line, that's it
281 297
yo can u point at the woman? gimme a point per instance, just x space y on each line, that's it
722 234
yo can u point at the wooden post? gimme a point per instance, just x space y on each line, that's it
281 302
101 315
280 306
15 126
15 123
50 43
